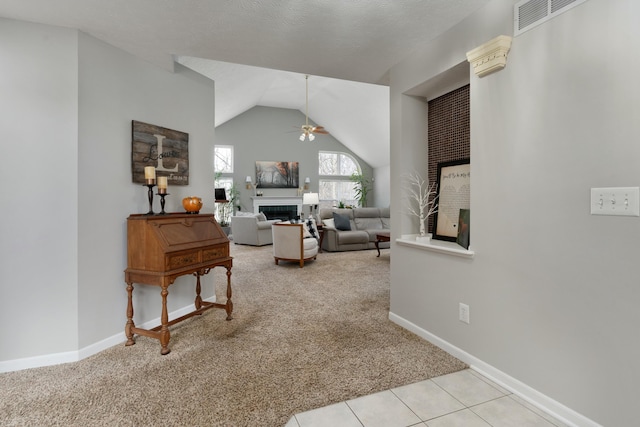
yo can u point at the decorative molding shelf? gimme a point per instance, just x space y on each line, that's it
490 57
440 246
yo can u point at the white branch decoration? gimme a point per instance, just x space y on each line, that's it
418 192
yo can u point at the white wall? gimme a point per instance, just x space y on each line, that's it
382 180
551 289
38 203
67 188
116 88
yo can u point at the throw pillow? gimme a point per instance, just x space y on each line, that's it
305 232
329 223
341 221
261 216
311 226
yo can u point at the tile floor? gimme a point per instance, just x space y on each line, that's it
464 398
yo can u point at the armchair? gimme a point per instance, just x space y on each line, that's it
290 244
252 230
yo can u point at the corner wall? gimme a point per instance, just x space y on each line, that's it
550 289
67 187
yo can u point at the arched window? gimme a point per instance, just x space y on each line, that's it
335 186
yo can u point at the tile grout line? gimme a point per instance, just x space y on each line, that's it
409 408
354 414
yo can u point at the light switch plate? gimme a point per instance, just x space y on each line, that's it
619 201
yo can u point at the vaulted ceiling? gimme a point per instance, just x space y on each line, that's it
259 51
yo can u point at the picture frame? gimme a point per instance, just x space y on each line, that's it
464 222
165 149
277 174
454 193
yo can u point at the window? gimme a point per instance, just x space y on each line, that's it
335 186
223 165
224 211
223 159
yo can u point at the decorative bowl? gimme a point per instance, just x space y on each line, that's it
192 204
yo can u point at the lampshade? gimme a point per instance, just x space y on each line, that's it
310 199
307 180
248 180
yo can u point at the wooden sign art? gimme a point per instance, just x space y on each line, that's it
165 149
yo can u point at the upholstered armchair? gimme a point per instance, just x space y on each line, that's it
290 244
252 230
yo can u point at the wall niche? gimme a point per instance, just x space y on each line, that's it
449 131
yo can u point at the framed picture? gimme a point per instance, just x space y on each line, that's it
165 149
277 174
454 192
463 228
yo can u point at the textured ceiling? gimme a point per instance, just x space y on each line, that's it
354 40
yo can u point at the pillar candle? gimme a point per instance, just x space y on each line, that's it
162 182
149 172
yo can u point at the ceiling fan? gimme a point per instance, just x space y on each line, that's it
308 130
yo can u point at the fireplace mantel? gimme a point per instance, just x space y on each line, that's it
276 201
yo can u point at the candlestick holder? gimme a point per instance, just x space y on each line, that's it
150 184
162 196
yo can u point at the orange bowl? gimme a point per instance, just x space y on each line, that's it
192 204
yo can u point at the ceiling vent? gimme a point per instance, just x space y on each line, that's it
528 14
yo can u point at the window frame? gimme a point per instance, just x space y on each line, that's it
339 179
215 156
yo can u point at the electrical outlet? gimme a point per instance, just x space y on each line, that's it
464 313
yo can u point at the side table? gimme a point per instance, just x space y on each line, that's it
382 237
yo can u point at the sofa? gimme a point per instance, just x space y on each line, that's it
252 229
356 228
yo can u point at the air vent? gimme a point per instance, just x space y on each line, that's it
528 14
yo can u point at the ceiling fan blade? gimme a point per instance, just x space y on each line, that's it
321 130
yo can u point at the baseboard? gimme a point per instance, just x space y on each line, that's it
90 350
532 396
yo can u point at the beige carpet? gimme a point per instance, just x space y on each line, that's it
300 339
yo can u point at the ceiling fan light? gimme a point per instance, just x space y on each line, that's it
311 137
302 137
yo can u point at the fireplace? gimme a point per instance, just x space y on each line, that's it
283 212
284 208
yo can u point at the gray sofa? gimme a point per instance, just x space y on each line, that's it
364 224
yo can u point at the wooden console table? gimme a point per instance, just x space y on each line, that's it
161 248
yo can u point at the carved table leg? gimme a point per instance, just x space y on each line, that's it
198 302
164 330
229 304
127 329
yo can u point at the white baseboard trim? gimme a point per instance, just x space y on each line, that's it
90 350
532 396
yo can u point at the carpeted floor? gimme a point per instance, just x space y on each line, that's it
300 339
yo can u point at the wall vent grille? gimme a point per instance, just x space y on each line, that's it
528 14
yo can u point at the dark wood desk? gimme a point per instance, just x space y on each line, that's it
161 248
383 236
